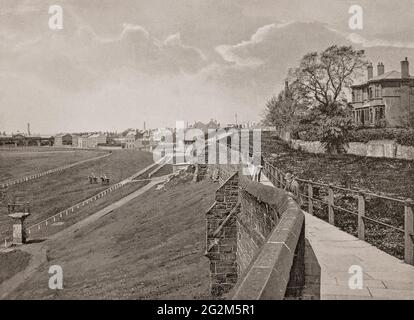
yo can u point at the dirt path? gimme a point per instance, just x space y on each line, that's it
39 250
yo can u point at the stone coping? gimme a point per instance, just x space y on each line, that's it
268 276
275 197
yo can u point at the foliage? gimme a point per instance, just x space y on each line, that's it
320 82
283 111
322 77
405 137
400 135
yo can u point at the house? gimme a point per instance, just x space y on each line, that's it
75 139
212 124
91 140
138 140
63 140
387 97
130 140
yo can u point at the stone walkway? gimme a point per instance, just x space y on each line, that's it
384 277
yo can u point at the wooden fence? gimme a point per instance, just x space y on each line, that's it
278 178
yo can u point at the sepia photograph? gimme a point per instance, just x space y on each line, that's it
207 154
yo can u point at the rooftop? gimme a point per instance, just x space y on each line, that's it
390 75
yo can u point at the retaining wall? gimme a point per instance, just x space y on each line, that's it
254 240
374 148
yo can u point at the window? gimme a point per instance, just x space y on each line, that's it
377 92
381 112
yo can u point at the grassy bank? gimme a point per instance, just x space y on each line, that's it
54 193
150 248
390 177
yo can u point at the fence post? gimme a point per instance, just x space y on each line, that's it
275 178
361 215
281 183
409 231
331 214
310 200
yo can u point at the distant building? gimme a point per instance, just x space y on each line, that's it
23 140
91 140
388 97
139 140
130 140
63 140
75 139
212 124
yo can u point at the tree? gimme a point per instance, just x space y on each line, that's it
321 80
283 111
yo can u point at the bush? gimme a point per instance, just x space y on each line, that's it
307 132
401 136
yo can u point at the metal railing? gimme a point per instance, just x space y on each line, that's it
277 177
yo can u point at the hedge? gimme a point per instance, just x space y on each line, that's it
401 135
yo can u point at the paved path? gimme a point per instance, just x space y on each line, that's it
384 277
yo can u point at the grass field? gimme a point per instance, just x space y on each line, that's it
20 162
56 192
150 248
12 263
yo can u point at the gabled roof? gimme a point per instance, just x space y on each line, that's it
390 75
95 135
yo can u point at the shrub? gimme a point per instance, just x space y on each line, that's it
401 136
307 132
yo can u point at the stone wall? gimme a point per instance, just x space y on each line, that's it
278 270
377 148
222 237
254 224
405 152
244 216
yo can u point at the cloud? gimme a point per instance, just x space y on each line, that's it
82 59
377 42
230 52
238 54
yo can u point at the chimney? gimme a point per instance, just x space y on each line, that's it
286 89
370 70
405 69
28 129
380 68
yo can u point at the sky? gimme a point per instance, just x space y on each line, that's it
118 63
